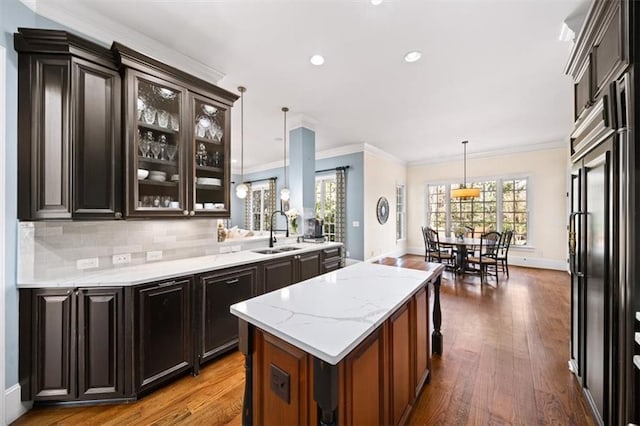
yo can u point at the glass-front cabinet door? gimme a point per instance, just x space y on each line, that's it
210 162
156 167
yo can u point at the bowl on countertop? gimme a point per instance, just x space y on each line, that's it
142 174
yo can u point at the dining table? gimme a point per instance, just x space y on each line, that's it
463 247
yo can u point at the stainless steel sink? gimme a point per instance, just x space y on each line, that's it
288 248
268 251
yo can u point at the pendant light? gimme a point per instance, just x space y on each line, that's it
463 192
284 192
242 189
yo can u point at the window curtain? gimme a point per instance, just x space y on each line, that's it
341 207
247 207
271 202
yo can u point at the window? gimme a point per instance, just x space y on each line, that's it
326 201
259 208
501 206
437 198
514 209
400 213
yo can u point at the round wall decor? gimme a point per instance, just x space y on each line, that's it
382 210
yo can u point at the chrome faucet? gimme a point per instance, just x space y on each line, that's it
272 238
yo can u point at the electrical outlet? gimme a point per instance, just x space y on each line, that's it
121 259
225 249
154 255
347 253
236 248
89 263
355 224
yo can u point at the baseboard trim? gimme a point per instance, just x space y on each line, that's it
394 253
13 404
526 261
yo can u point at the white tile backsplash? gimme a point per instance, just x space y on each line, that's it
51 249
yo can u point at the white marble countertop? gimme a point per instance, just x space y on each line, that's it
328 316
155 271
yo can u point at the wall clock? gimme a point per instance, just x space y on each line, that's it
382 210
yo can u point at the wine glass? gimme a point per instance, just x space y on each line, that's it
171 151
162 141
156 149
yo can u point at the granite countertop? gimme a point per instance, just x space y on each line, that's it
328 316
155 271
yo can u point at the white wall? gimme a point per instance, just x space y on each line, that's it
381 175
547 171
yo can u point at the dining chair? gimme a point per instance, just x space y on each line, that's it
435 252
503 252
486 260
470 231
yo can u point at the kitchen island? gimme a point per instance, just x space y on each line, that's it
350 346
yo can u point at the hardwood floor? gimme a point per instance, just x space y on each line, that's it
504 362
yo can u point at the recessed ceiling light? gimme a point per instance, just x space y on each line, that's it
376 2
317 60
412 56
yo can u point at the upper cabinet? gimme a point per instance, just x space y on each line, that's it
177 135
69 112
111 133
600 54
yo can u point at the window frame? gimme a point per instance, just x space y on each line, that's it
500 180
262 188
327 226
401 212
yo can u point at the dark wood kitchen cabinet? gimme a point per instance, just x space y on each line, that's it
162 332
284 271
69 133
71 344
217 329
603 229
331 259
177 129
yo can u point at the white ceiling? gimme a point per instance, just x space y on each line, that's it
491 71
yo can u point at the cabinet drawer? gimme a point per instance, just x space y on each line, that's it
330 265
329 253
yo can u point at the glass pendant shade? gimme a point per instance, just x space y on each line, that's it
285 194
242 190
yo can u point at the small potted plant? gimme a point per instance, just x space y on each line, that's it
459 232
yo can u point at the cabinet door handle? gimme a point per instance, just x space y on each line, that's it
167 284
572 244
186 212
192 213
118 215
233 281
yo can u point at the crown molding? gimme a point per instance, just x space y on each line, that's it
106 31
374 150
493 153
301 120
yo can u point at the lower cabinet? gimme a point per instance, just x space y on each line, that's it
307 265
377 383
216 292
103 343
162 332
278 273
71 344
331 259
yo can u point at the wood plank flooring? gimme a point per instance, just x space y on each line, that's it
504 362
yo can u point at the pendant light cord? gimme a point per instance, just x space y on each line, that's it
464 178
242 90
284 159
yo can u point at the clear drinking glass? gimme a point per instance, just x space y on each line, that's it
175 122
162 141
163 118
149 114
